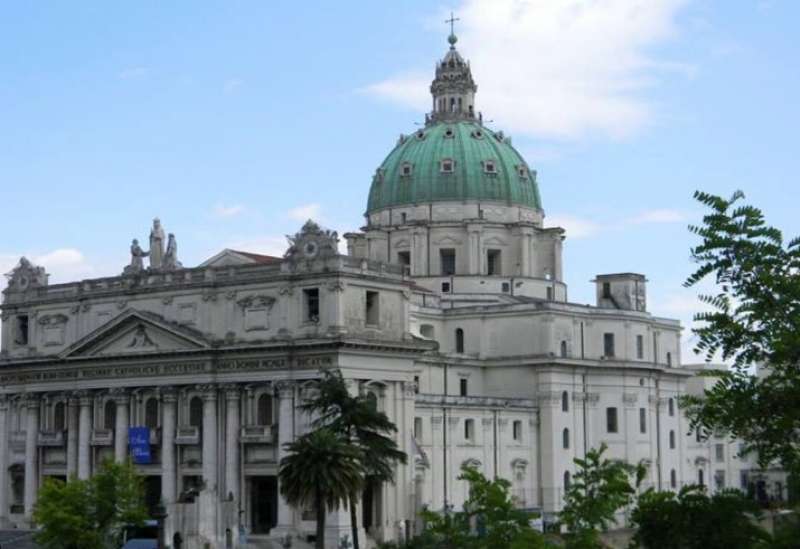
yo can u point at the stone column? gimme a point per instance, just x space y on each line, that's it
3 462
121 427
84 435
525 255
72 437
31 455
474 249
286 426
209 500
168 481
232 426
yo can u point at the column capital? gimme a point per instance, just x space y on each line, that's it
168 393
84 397
3 403
29 399
285 388
120 395
232 391
208 391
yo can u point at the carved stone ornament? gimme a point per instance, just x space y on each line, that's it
285 388
167 300
209 296
140 339
336 286
286 290
312 242
630 399
26 275
256 301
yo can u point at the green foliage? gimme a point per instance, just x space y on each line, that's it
90 514
491 509
599 489
755 320
320 470
691 519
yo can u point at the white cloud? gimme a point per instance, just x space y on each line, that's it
62 264
658 216
267 245
232 85
575 227
133 73
557 68
305 212
220 210
583 227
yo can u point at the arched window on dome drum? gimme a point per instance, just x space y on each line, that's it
459 340
264 415
196 412
109 414
151 413
58 416
565 401
565 439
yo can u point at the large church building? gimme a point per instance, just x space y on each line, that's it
449 308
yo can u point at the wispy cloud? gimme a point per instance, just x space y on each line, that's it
220 210
268 245
563 69
577 227
305 212
133 73
62 264
232 85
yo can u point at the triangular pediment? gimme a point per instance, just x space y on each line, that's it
136 332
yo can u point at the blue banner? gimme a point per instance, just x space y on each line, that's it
139 442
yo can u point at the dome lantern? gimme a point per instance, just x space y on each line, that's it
453 88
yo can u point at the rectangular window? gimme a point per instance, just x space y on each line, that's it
608 345
311 306
719 451
549 293
404 258
611 420
719 479
463 386
447 258
418 428
640 347
469 429
22 335
517 430
607 290
416 385
642 420
445 287
372 308
493 262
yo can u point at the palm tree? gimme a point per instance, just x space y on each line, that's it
321 469
357 419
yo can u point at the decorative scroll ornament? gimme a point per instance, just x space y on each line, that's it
312 242
256 301
25 276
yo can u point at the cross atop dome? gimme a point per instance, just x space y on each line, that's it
452 39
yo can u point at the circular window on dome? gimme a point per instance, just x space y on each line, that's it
489 166
447 165
522 171
449 133
420 134
477 134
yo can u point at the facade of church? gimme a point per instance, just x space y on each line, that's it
450 307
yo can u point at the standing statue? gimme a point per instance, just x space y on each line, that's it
171 257
137 258
156 245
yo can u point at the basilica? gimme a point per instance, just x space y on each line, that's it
449 308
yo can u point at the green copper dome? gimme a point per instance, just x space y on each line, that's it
454 160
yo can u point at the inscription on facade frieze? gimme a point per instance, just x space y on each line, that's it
251 364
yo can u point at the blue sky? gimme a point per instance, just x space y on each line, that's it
233 121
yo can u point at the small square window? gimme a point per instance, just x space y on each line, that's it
489 166
505 287
445 287
448 133
404 258
406 169
522 171
447 166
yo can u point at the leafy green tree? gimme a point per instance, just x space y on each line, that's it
691 519
359 421
90 514
321 470
489 520
755 320
599 489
